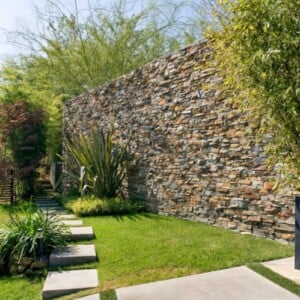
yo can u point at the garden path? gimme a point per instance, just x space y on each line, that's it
59 283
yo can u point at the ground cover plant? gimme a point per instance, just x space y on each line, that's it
94 206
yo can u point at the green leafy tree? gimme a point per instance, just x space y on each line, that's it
257 50
22 133
75 50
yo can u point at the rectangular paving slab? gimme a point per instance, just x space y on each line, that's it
232 284
67 282
60 211
72 222
51 208
284 267
50 204
82 233
75 254
66 217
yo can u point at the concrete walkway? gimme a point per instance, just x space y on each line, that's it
285 268
229 284
61 283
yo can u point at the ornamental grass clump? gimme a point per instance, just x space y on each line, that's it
97 163
30 235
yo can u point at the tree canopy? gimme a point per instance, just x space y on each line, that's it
75 50
258 53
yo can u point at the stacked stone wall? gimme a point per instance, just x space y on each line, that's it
195 155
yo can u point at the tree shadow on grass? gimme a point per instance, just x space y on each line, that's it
140 216
132 217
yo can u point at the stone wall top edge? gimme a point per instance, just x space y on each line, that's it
201 43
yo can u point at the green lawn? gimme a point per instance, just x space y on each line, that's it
5 209
146 247
20 288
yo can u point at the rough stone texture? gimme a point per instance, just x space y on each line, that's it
66 217
195 155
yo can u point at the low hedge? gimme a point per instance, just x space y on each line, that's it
93 206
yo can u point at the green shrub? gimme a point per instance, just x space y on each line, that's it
96 163
21 236
92 206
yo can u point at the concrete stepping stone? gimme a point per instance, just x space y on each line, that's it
52 209
72 222
90 297
232 284
68 282
49 205
284 267
45 201
70 255
82 233
43 198
64 217
60 211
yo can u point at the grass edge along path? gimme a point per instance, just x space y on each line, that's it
276 278
134 249
142 248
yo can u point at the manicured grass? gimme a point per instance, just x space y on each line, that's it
142 248
16 288
6 209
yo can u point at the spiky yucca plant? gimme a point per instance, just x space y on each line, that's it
97 161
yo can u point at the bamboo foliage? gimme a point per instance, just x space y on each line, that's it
101 161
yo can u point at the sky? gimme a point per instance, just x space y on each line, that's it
13 13
16 12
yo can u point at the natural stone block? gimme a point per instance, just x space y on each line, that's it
238 203
254 219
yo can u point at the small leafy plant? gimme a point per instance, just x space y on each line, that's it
23 233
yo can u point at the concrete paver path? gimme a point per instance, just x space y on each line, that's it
238 283
67 282
73 254
284 267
